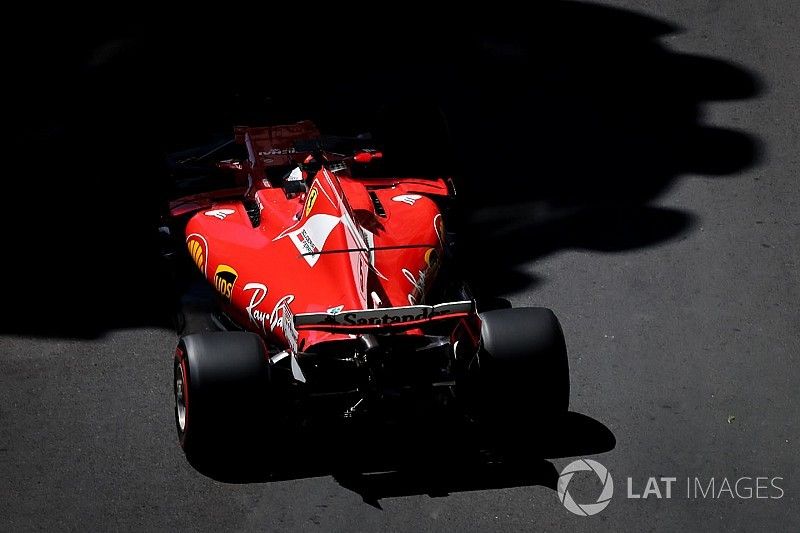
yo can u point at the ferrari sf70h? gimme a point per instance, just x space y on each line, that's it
336 298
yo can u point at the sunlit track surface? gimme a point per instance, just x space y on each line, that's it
656 212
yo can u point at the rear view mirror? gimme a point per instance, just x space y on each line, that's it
367 156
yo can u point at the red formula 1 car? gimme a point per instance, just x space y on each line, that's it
336 300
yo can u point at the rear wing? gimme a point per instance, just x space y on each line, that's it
274 145
384 319
271 146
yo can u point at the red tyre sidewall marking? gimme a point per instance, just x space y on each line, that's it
179 353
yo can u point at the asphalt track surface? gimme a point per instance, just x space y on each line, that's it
674 274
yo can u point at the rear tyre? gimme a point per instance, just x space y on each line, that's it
522 371
221 387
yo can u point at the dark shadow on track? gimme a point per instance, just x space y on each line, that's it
436 460
567 129
564 126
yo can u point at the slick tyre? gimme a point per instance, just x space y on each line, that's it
523 372
221 387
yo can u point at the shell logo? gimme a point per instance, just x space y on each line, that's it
198 250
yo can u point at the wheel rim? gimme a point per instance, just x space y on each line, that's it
180 397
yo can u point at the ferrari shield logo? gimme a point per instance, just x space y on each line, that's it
311 200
